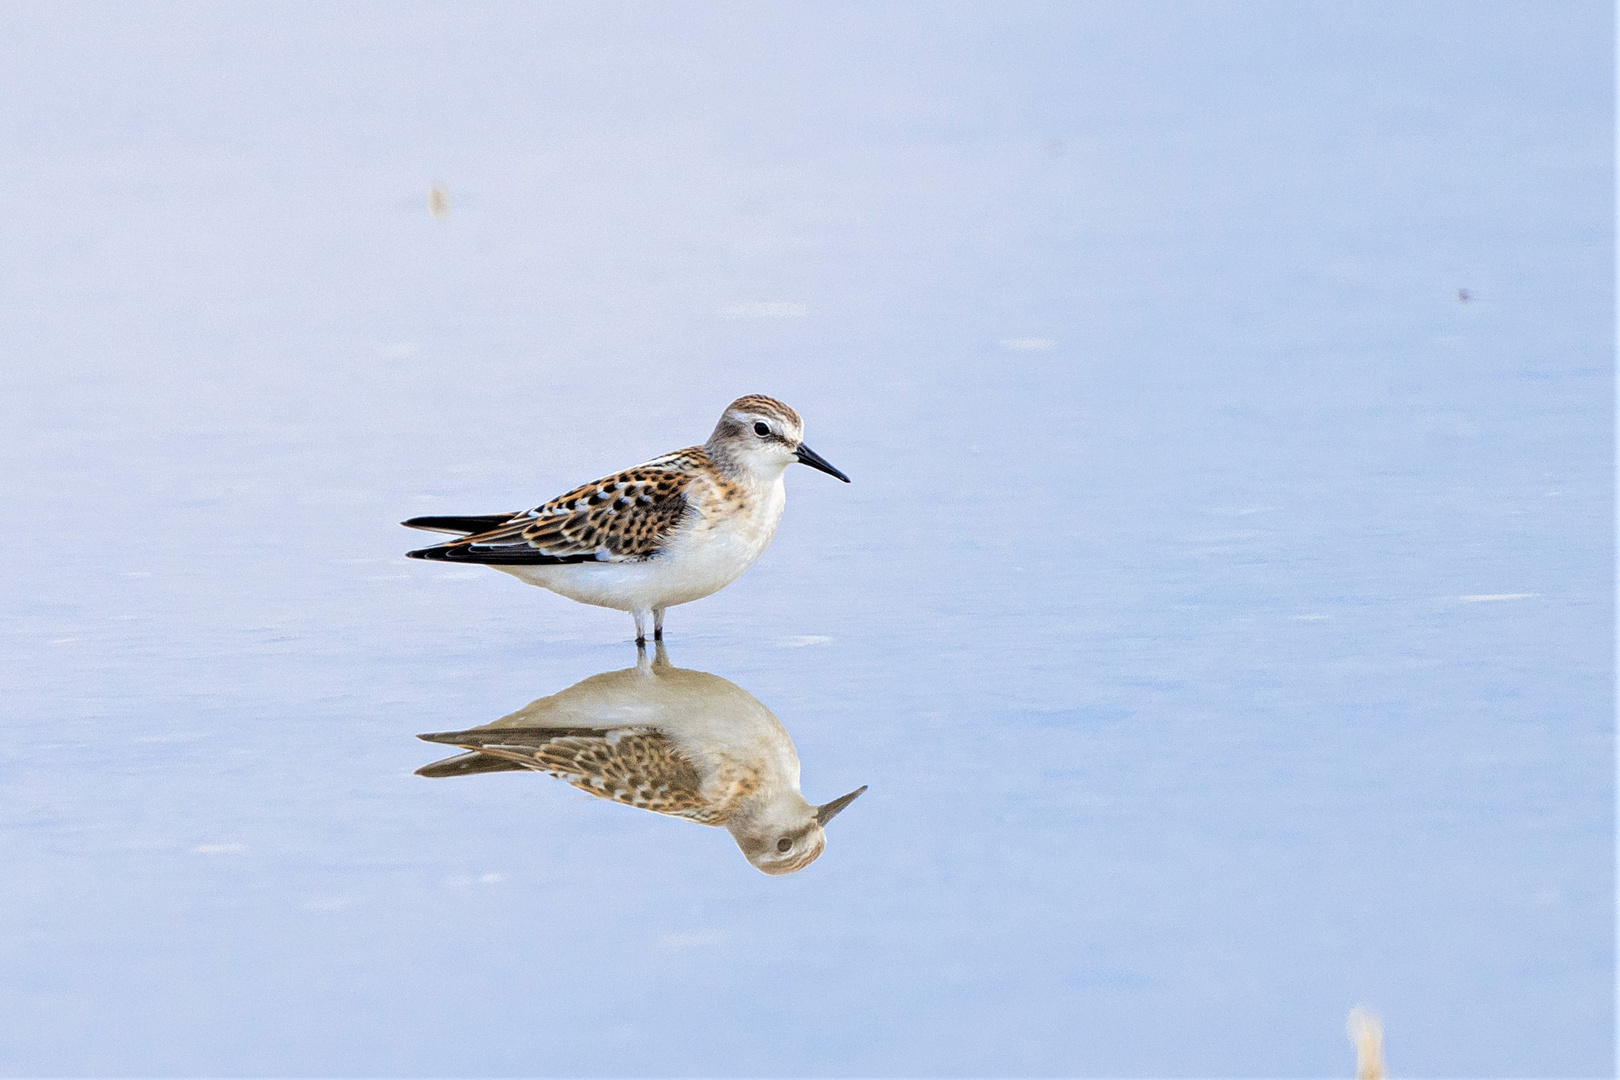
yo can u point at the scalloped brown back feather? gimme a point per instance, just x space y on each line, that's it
626 517
638 767
642 770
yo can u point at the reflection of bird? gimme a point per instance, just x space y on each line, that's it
678 742
671 531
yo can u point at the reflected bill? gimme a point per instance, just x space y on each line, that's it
666 739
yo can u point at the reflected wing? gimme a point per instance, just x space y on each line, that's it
470 764
626 517
635 766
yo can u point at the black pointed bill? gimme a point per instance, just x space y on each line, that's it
827 811
809 457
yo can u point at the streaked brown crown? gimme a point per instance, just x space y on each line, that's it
766 406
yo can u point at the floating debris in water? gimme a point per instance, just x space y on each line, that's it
1367 1034
439 201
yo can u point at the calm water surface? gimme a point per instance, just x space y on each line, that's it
1221 614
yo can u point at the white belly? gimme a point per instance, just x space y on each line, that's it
701 559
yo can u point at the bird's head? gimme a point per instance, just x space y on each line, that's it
761 435
788 835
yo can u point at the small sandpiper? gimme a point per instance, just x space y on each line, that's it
666 739
677 529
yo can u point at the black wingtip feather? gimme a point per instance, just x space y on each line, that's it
450 738
432 554
470 765
464 524
467 553
512 736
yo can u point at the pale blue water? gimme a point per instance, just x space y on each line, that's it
1153 616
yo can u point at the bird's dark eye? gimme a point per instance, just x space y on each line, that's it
786 843
762 430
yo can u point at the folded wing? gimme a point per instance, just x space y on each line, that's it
636 766
626 517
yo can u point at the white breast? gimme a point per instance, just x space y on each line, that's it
721 543
710 550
